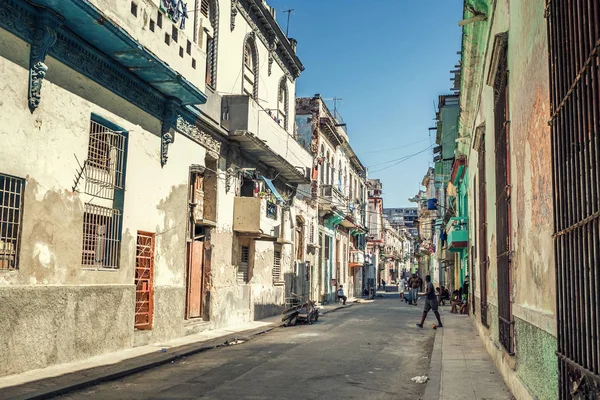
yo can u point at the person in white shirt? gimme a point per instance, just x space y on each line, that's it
340 294
401 288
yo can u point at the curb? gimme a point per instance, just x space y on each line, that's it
82 379
434 384
335 309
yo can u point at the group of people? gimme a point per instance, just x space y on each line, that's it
409 289
409 292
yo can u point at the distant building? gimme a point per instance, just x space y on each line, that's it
403 218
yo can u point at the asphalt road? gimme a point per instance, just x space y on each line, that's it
368 351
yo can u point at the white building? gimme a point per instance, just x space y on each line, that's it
148 174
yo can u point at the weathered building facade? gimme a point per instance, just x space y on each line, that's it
339 191
139 202
506 189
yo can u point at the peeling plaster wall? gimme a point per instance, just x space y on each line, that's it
531 372
81 313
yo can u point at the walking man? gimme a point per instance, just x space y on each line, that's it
430 303
341 295
414 288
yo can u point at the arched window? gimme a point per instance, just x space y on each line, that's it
250 68
282 103
210 10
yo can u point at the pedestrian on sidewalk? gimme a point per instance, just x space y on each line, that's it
430 303
414 289
401 288
341 295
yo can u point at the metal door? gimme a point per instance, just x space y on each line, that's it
574 41
503 182
482 233
144 280
195 283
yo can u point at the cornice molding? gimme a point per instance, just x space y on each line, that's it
198 135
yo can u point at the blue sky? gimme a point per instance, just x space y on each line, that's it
388 60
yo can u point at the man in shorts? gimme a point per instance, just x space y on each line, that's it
430 303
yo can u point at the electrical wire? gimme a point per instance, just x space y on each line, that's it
401 160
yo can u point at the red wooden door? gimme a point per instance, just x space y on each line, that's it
194 284
144 280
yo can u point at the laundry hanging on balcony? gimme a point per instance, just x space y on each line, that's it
273 190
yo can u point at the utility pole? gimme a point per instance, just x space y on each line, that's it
287 28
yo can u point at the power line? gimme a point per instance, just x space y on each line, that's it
399 160
395 148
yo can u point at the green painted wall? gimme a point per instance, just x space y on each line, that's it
536 366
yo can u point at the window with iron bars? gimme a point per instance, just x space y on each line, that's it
277 266
243 265
101 237
105 160
11 213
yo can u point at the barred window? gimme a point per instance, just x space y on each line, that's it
105 159
101 237
11 211
242 274
277 266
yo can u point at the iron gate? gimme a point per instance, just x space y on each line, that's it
574 42
502 155
482 234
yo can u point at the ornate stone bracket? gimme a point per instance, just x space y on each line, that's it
234 13
194 132
169 121
233 158
44 37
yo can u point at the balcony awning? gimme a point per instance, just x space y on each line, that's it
273 190
259 150
89 23
347 223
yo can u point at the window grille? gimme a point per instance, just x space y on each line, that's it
503 231
243 266
101 237
482 234
277 266
312 233
144 280
574 38
11 210
105 159
205 7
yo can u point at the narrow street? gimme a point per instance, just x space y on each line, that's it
367 351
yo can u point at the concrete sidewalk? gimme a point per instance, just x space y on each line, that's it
460 366
63 378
